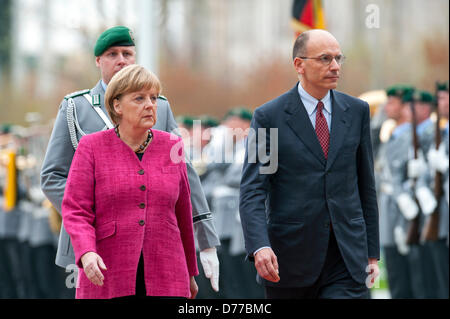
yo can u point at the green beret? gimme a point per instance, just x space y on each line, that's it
399 90
408 96
240 112
208 121
442 86
185 120
418 96
115 36
425 97
5 128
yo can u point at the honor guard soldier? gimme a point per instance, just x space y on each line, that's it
84 112
420 255
432 194
239 276
12 276
393 158
200 141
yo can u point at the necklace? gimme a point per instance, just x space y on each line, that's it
143 145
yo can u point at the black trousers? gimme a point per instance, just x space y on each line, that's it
398 273
140 286
439 253
14 275
46 274
7 284
334 282
431 279
417 265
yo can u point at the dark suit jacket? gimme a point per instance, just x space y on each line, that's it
291 209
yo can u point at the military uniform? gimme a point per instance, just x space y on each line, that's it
437 250
60 152
84 112
238 277
393 225
403 264
7 280
429 252
9 226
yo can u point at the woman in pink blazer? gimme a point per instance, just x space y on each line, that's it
127 203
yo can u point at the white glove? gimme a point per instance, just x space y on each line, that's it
426 200
400 240
387 188
438 159
408 206
210 263
416 167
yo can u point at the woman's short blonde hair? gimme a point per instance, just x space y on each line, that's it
130 79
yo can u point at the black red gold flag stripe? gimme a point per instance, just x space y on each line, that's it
306 15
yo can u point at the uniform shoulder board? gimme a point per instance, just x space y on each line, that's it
77 93
162 97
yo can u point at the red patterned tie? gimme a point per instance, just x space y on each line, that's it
322 129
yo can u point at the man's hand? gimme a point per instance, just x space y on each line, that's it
266 264
210 263
193 288
374 272
92 263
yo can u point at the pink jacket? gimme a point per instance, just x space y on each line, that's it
118 207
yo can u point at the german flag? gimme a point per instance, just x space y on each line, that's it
306 15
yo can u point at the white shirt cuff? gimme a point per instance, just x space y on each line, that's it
254 253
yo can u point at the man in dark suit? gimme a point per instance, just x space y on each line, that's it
311 224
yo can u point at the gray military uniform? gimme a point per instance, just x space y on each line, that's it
237 277
60 152
427 180
431 282
438 250
393 157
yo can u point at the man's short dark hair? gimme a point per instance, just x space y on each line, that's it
300 45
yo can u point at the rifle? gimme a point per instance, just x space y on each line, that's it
430 230
413 234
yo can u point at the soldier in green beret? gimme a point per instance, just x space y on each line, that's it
240 112
434 201
114 50
185 124
207 124
442 99
185 121
209 121
416 170
238 119
83 112
222 184
393 155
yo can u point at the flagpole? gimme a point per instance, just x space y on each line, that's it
148 35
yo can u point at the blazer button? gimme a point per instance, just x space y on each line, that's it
142 222
141 172
326 224
142 188
142 205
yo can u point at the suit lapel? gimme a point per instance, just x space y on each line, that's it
340 122
300 123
